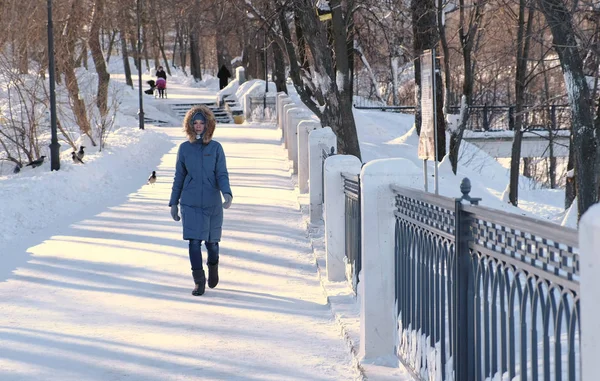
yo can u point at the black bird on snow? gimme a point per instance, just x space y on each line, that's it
76 158
80 153
17 168
152 178
36 163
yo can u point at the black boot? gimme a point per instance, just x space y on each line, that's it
200 280
213 275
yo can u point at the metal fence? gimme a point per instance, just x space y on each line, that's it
501 118
352 226
482 294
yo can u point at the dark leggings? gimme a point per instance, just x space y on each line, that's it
212 248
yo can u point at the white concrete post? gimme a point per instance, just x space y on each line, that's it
335 211
317 140
304 128
240 74
284 121
284 101
278 102
589 244
294 116
378 330
247 107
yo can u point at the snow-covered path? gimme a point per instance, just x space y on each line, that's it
109 297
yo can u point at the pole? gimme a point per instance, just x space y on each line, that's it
266 77
54 146
139 65
425 179
435 131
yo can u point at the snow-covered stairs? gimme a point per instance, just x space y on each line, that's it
232 106
221 115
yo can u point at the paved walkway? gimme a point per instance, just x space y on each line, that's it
112 292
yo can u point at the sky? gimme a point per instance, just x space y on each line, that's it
95 281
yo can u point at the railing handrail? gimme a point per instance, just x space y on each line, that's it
478 106
445 202
351 176
351 185
538 227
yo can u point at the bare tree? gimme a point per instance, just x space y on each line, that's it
585 130
470 22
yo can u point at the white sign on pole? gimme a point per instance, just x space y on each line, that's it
427 136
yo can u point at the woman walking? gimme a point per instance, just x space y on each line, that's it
200 178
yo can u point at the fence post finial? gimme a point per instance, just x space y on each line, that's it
465 189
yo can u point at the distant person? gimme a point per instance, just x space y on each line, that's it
161 87
160 73
223 76
200 178
161 82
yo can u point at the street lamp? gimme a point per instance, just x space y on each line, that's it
54 146
266 56
139 65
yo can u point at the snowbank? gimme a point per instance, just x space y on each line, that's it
37 197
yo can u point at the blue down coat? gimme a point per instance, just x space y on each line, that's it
200 178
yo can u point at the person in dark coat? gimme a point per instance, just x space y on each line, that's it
160 73
200 178
223 76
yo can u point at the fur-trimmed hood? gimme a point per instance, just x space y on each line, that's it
209 128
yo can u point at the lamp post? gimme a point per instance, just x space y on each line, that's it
54 146
139 65
265 56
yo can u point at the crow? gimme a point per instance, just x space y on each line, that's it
81 154
36 163
76 158
152 178
17 168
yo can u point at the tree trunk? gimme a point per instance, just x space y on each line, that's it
527 163
65 55
468 35
523 40
125 52
279 68
337 112
371 75
301 43
23 56
111 44
175 43
570 188
135 52
305 93
195 69
585 141
98 57
145 49
446 53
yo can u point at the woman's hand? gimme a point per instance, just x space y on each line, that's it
228 200
175 212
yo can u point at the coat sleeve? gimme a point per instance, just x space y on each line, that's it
222 174
180 174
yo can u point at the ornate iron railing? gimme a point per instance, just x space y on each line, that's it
352 227
482 294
